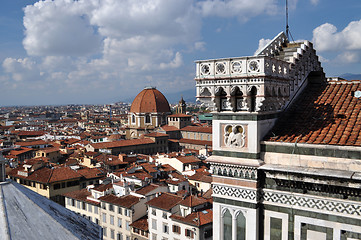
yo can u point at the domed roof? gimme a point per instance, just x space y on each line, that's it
150 100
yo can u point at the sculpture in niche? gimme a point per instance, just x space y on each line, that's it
234 136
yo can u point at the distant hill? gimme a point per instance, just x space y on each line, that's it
188 96
351 76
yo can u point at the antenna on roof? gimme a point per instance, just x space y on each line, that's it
288 32
287 27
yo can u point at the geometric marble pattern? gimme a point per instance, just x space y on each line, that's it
314 203
235 192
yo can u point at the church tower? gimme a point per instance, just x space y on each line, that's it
181 108
247 94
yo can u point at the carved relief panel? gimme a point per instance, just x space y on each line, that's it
234 136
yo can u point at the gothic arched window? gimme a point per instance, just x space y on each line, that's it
241 226
227 225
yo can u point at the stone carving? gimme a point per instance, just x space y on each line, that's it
234 136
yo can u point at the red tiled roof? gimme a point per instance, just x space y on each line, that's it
195 142
147 189
31 143
156 134
28 133
323 114
201 177
193 201
90 173
196 218
122 143
56 174
81 195
168 128
197 129
125 201
188 159
180 115
141 223
166 201
150 100
21 151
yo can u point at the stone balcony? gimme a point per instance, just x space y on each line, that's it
241 67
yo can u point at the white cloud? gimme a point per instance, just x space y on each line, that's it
348 57
59 28
242 9
262 43
86 46
346 42
315 2
326 37
21 69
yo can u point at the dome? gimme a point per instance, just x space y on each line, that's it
150 100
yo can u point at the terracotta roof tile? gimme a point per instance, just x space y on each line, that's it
195 142
150 100
122 143
197 129
166 201
323 114
125 201
196 218
141 223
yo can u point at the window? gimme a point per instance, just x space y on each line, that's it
77 204
127 212
56 186
164 215
111 220
154 224
96 209
241 226
119 236
227 225
133 119
111 207
73 202
176 229
127 225
90 208
189 233
104 231
119 222
104 218
165 228
154 236
111 233
83 205
154 212
97 221
147 118
103 205
127 238
119 210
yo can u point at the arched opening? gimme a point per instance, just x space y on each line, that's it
147 118
221 95
133 119
227 225
252 99
241 226
238 95
205 92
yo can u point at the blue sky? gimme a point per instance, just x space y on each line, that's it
103 51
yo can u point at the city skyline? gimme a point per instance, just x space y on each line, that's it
90 52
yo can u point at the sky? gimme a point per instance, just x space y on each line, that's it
105 51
